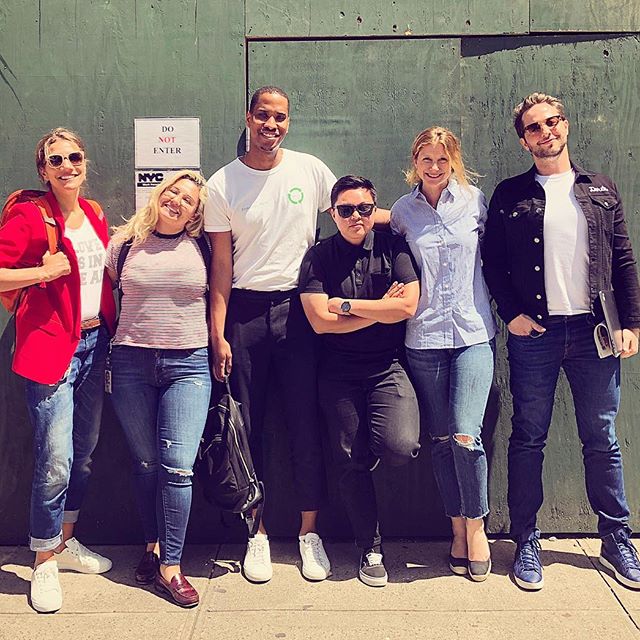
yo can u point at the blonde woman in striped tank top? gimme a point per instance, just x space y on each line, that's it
160 372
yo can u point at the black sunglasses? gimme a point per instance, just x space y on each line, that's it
75 158
536 127
365 209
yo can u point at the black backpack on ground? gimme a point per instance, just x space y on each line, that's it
224 466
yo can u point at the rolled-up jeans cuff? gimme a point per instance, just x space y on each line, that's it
40 544
70 517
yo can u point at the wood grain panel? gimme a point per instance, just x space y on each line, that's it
585 15
305 18
95 65
598 79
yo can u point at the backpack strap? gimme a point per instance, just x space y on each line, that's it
122 256
50 226
205 250
96 208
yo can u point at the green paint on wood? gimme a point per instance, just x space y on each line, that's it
357 104
314 18
585 15
597 78
95 65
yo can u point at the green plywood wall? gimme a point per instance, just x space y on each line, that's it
357 102
316 18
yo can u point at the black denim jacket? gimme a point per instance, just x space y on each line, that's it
513 247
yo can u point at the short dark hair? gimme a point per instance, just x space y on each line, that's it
346 183
266 89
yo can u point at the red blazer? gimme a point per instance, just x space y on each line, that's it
48 317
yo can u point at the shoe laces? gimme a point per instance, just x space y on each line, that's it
257 550
373 559
629 553
45 580
530 555
314 546
79 550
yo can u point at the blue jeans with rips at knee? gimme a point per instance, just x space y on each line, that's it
66 424
453 387
161 397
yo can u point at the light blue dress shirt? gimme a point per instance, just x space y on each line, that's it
454 309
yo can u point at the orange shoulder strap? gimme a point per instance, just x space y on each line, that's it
51 228
97 209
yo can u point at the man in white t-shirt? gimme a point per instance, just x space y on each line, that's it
554 239
261 217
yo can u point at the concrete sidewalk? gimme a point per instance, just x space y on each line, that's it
422 600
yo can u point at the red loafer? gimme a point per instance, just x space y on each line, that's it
179 589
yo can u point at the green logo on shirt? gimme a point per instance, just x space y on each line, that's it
295 195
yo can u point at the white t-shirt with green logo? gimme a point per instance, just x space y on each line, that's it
272 217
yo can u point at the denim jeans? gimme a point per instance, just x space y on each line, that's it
271 337
595 385
66 424
161 397
453 387
369 419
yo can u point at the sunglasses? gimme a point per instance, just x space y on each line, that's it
365 209
551 123
55 160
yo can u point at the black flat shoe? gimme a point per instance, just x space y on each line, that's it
457 565
479 570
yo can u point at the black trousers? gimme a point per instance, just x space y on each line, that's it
270 335
370 418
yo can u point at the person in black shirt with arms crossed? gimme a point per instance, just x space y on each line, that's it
357 288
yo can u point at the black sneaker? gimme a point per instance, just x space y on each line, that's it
372 571
620 556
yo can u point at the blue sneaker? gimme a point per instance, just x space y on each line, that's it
527 568
620 556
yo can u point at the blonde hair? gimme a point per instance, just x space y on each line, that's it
59 133
144 220
531 101
451 144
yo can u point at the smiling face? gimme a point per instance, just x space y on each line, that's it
268 123
433 166
177 204
355 228
67 178
547 142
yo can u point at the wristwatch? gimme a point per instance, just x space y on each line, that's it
345 307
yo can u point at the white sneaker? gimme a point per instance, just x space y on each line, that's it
46 592
257 559
315 564
76 557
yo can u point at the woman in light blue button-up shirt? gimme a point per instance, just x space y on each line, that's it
450 346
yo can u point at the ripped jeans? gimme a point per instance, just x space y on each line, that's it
453 387
161 397
66 424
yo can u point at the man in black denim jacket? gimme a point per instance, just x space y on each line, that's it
555 237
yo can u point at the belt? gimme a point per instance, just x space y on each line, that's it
91 323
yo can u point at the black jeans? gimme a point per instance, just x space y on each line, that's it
270 335
369 418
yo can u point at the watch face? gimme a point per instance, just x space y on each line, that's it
345 306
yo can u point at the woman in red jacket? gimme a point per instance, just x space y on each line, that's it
63 324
